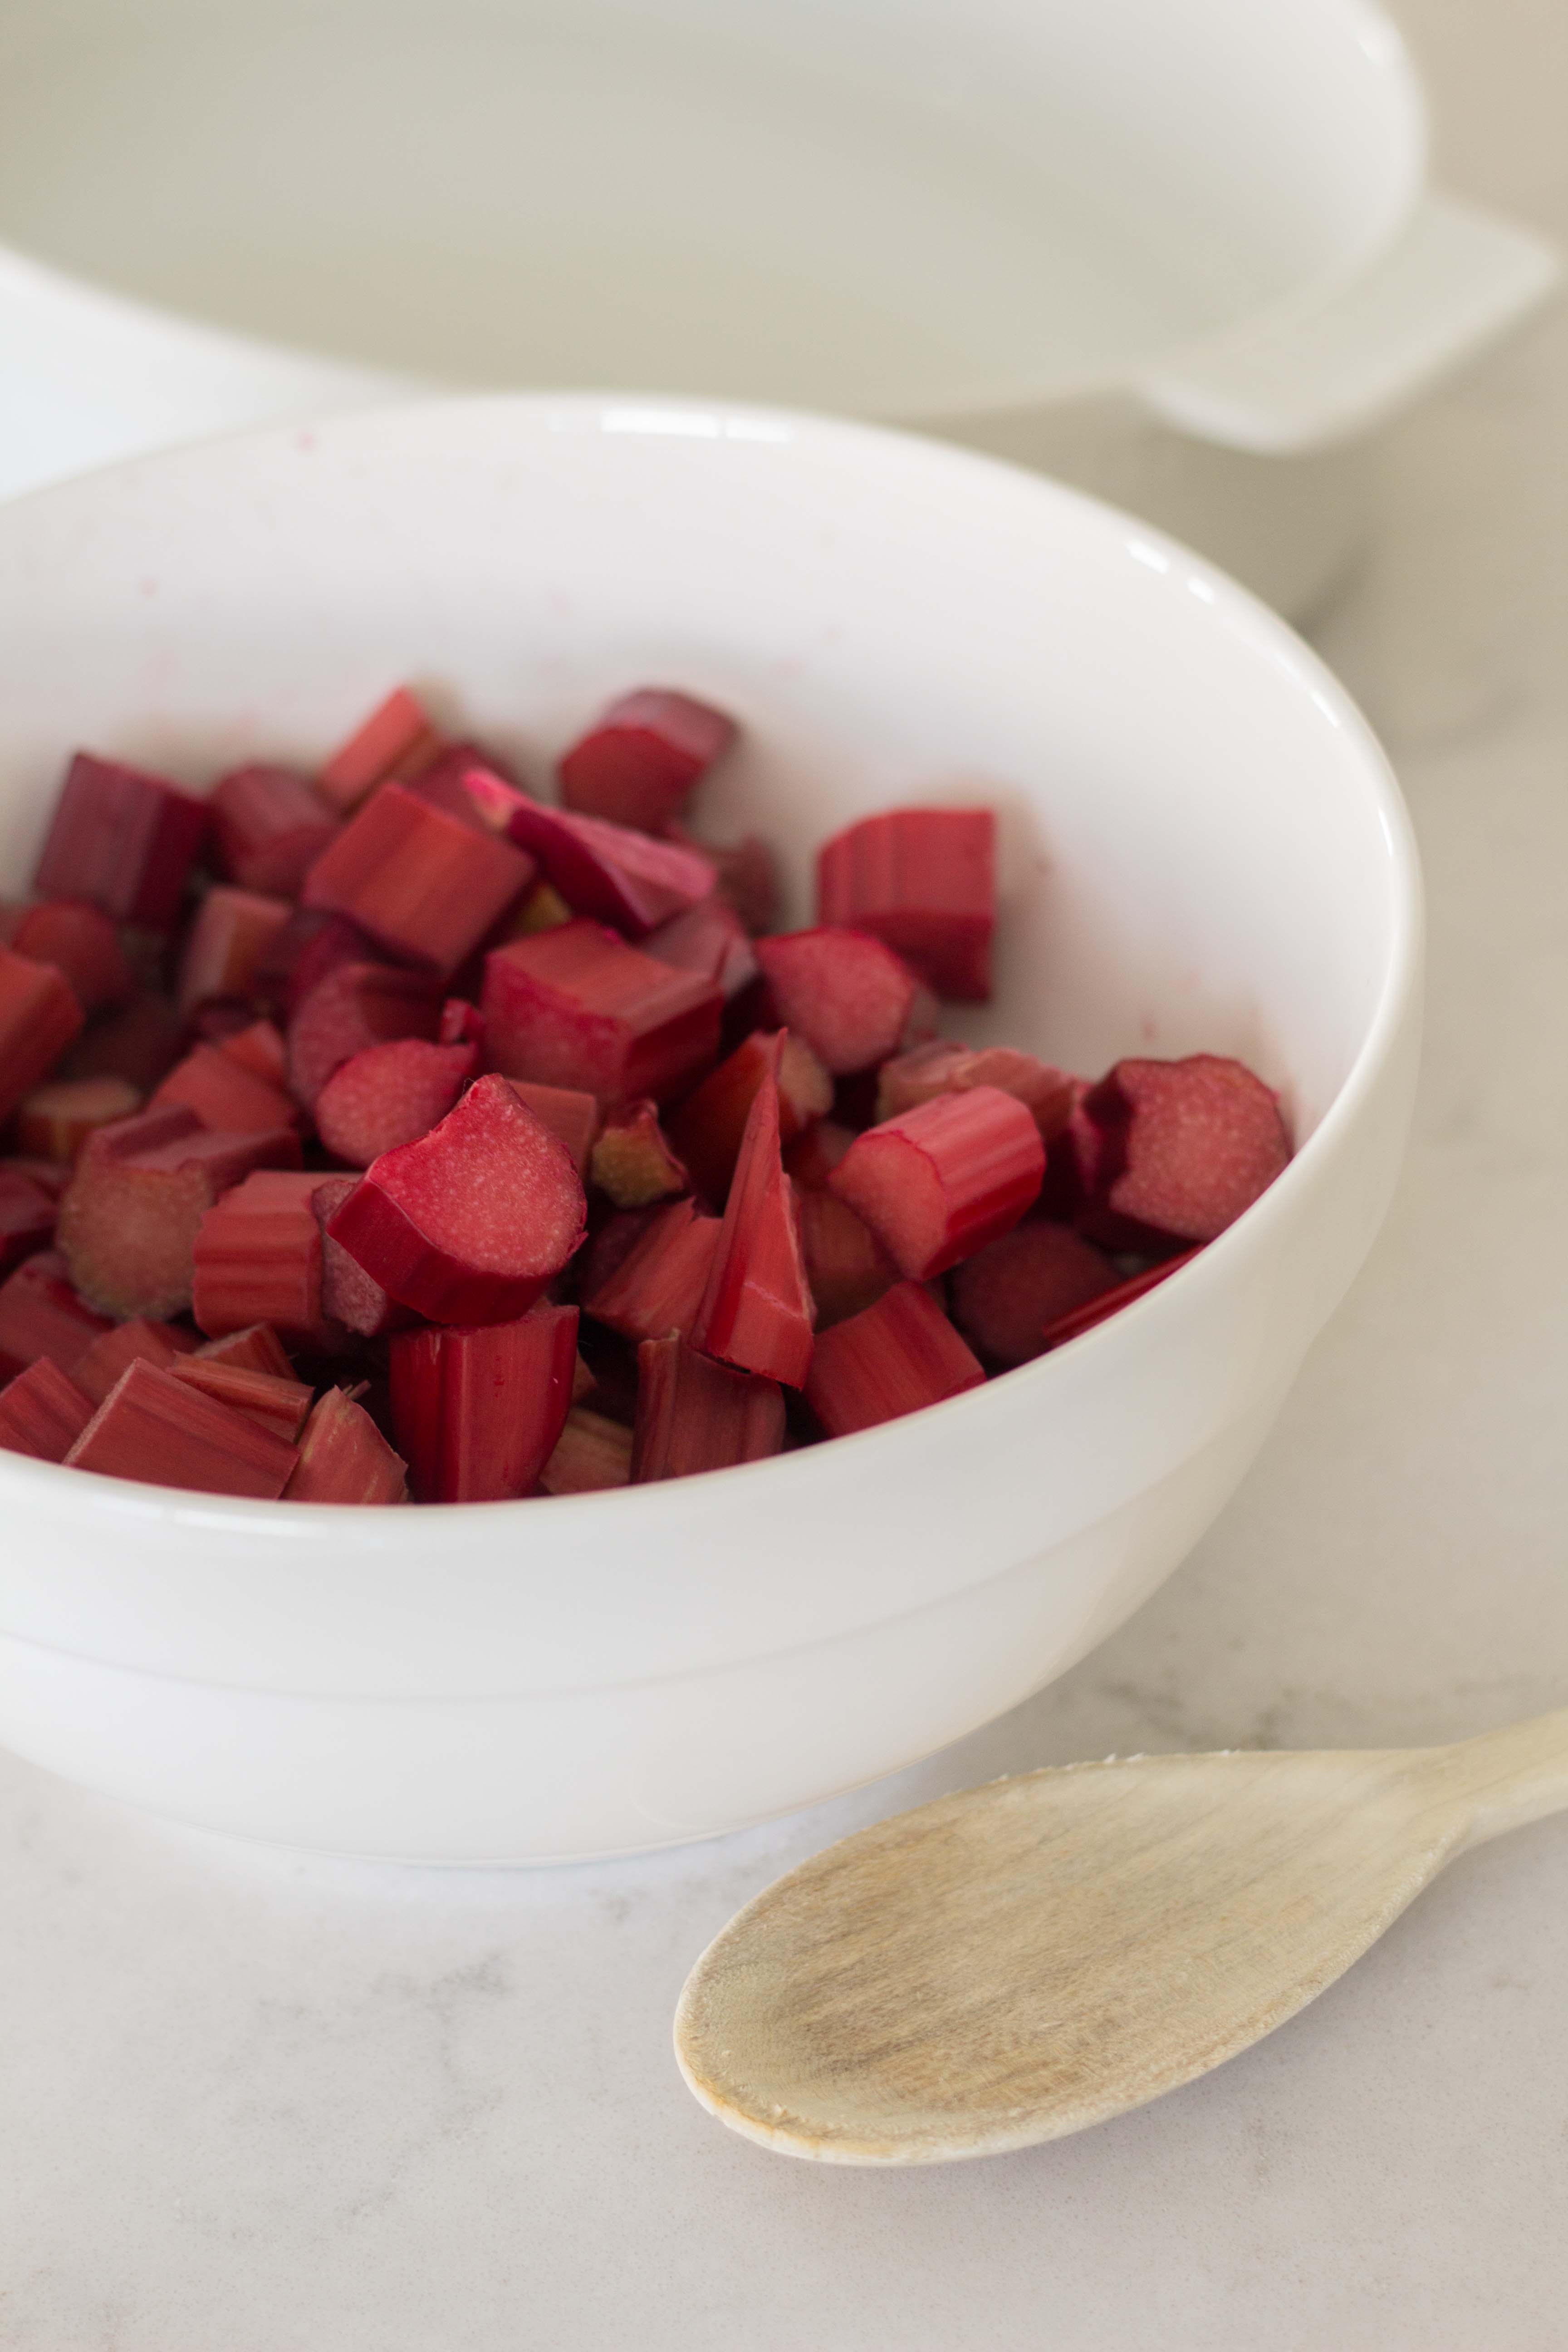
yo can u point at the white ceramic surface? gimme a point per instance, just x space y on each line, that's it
1176 250
1202 848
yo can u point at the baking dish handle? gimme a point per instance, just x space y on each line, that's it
1456 278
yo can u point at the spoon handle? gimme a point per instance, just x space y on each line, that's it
1512 1777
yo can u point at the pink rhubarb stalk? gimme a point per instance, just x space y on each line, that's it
270 826
658 1285
41 1314
80 943
344 1457
941 1068
43 1412
396 740
845 1265
706 1129
577 1007
257 1349
157 1430
939 1182
591 1455
1004 1296
633 1163
756 1311
477 1412
850 997
257 1258
27 1211
99 1369
229 938
710 938
643 756
425 886
895 1358
1079 1319
922 879
1184 1147
694 1414
123 839
351 1007
605 871
39 1018
271 1401
225 1094
390 1094
56 1120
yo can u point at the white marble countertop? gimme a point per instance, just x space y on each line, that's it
251 2103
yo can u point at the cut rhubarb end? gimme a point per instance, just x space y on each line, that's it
99 1368
443 785
257 1349
1184 1147
1110 1302
657 1287
633 1165
41 1314
851 998
344 1457
710 938
258 1047
349 1297
923 880
39 1018
55 1120
576 1007
939 1182
273 1402
270 826
224 1094
1005 1295
42 1412
469 1224
128 1222
397 737
228 941
940 1068
155 1429
81 943
356 1005
257 1258
757 1310
122 839
643 756
694 1414
707 1128
607 871
28 1211
591 1455
896 1357
140 1043
574 1117
477 1412
426 886
390 1094
845 1265
309 948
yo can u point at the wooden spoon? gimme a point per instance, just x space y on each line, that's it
1012 1963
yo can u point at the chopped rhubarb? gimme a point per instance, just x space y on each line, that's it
939 1182
99 1368
756 1311
694 1414
388 1094
812 1158
748 880
273 1402
26 1217
608 872
850 997
892 1359
1184 1147
1082 1318
42 1412
128 1222
577 1007
140 1043
56 1119
633 1162
47 1174
224 1094
462 1024
258 1047
344 1457
306 950
470 1222
256 1256
923 880
349 1297
396 740
575 1118
442 785
709 938
657 1287
544 909
643 756
583 1383
845 1265
39 1018
478 1413
42 1315
123 839
426 886
270 826
591 1455
81 943
157 1430
228 938
356 1005
1002 1297
257 1349
706 1131
941 1068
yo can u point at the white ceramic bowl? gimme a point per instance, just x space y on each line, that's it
1203 847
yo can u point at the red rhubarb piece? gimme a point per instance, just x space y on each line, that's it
42 1315
577 1007
344 1457
643 756
923 879
258 1047
396 740
748 880
606 871
462 1024
256 1256
694 1414
310 947
80 943
1110 1302
47 1174
128 1222
98 1370
575 1118
894 1357
443 783
756 1312
812 1158
706 1129
941 1068
270 826
42 1412
123 839
157 1430
257 1349
356 1005
140 1043
845 1265
850 997
478 1413
591 1455
349 1296
939 1182
658 1286
633 1163
709 938
56 1119
224 1094
271 1401
390 1094
1002 1297
470 1222
39 1018
26 1217
228 938
425 886
1184 1147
